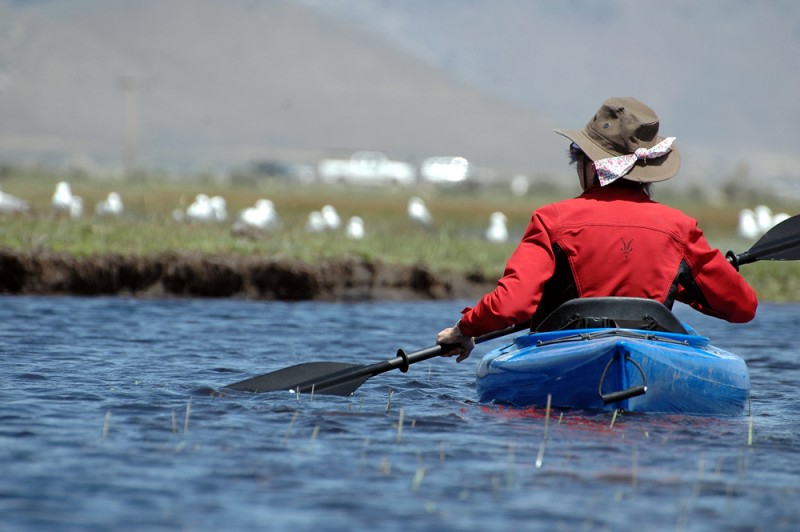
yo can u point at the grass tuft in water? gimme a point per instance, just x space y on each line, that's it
389 401
313 439
540 457
510 468
418 476
613 418
400 425
289 428
106 424
186 418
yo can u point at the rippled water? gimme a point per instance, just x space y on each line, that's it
107 423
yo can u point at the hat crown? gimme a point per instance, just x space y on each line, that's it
623 125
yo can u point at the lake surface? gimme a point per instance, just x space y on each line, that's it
109 422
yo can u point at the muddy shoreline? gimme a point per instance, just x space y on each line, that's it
184 274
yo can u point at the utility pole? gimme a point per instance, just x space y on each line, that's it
130 90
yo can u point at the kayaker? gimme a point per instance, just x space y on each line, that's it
612 240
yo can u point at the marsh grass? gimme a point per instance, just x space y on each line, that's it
540 456
453 243
106 425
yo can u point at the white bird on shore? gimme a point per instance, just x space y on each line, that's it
65 202
256 221
111 206
763 218
748 226
62 197
9 203
756 222
331 217
200 210
271 218
780 217
355 228
76 207
61 200
497 231
262 216
219 208
316 222
418 212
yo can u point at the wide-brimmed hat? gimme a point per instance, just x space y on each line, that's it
620 127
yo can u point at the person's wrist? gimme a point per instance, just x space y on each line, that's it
458 329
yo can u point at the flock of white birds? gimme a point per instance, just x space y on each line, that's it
263 216
497 231
753 223
260 217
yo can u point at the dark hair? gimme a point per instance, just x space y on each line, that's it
574 151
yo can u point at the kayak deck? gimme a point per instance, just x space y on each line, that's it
616 368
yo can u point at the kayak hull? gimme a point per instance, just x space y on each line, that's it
612 368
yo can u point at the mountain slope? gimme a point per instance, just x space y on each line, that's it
211 83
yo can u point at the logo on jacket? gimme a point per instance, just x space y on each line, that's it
626 248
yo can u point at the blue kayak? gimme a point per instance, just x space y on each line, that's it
616 353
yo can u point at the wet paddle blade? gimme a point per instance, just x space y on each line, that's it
300 375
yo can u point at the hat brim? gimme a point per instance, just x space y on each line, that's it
647 171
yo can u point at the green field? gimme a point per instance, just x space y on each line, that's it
454 242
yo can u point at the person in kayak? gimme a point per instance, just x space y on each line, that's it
612 240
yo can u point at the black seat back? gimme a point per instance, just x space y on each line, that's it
617 312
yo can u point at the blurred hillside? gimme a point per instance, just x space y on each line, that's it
210 84
203 84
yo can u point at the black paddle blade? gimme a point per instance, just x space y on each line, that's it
303 376
782 242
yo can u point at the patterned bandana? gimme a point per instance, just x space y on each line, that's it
611 169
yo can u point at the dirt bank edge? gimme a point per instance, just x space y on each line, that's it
186 274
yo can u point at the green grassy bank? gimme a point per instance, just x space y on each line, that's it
453 243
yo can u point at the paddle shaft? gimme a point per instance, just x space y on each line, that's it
402 361
763 253
360 374
336 378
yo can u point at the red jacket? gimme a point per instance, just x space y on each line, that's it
611 241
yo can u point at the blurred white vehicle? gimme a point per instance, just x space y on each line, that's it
366 168
445 170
